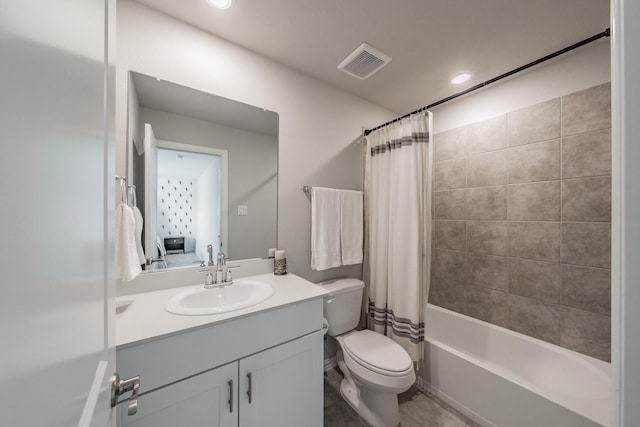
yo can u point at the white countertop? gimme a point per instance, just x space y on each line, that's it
145 317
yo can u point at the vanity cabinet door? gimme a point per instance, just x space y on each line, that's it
283 386
209 399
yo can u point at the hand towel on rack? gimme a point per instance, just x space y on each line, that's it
325 228
133 202
351 226
127 261
138 233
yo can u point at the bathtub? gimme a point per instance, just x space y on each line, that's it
498 377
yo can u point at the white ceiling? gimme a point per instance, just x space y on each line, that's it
429 40
183 164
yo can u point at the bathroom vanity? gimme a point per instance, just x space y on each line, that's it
258 366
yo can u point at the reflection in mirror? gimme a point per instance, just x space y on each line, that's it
191 187
205 170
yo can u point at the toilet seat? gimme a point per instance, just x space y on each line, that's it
378 353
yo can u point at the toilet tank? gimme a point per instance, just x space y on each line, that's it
342 305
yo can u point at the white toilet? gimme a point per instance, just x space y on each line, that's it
375 368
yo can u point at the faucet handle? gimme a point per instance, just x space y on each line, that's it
228 277
221 259
208 281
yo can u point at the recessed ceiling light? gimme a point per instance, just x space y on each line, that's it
221 4
460 78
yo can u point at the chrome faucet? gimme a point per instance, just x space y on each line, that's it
222 276
210 250
221 270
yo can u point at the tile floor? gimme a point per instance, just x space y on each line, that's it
416 408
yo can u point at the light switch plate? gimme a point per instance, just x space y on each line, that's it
243 210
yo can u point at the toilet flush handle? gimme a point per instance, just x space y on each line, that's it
329 300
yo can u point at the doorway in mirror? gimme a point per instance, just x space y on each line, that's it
188 211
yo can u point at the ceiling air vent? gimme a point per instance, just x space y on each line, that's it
364 61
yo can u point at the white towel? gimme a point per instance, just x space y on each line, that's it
325 228
162 251
138 233
351 226
127 262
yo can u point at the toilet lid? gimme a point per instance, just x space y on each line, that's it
378 353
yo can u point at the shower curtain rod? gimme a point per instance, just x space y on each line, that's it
605 33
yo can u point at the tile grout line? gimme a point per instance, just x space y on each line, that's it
528 144
509 315
511 184
560 239
465 304
558 304
521 258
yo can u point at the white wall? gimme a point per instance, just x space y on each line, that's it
317 122
584 68
208 203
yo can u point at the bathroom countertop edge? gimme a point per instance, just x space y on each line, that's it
145 318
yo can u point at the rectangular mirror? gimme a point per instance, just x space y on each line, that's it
206 173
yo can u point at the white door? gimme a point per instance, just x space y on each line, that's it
150 192
209 399
57 184
283 386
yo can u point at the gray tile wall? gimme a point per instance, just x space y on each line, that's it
522 221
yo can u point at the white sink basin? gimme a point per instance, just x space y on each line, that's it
201 301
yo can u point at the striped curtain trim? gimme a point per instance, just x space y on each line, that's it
400 326
399 143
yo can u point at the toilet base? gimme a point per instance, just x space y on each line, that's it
362 399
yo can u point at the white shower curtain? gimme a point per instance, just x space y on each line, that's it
398 223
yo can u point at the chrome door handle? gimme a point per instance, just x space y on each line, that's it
120 387
230 384
249 393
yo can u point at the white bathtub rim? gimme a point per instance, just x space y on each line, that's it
603 367
598 412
